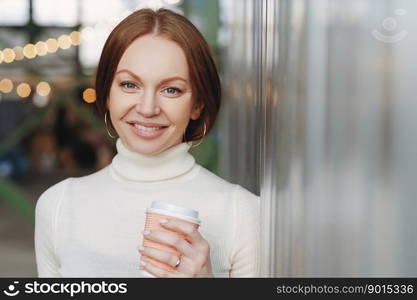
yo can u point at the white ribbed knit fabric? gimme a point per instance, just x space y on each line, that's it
91 226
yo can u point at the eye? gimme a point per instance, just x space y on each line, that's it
128 85
173 91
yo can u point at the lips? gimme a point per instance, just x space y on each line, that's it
148 125
147 130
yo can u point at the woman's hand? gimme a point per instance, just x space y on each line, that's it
194 249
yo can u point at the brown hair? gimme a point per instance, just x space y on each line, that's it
205 82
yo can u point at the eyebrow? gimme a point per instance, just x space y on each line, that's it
137 77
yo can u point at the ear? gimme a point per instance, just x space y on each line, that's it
196 111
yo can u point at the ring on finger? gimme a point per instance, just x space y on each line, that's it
178 262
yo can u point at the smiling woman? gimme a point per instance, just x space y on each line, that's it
158 87
151 51
157 99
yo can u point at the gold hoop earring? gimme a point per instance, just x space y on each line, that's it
201 140
105 122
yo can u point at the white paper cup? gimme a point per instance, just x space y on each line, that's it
161 210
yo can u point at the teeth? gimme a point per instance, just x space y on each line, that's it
143 128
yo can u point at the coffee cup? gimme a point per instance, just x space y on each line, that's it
161 210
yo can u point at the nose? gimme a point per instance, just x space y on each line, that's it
148 106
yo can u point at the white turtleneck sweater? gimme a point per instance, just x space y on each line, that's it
91 226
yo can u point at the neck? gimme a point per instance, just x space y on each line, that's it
169 164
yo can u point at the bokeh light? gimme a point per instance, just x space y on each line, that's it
18 51
64 41
52 45
75 38
89 95
29 51
9 55
6 85
23 90
43 88
41 48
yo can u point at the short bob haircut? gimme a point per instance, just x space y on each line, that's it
205 82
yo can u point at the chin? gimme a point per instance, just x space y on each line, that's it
143 148
146 147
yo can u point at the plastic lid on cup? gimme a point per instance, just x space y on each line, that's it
163 208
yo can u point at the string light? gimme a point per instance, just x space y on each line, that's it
23 90
9 55
43 88
18 51
29 51
75 38
89 95
6 85
52 45
41 48
64 42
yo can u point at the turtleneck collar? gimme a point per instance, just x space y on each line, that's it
133 166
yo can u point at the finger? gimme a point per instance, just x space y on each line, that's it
158 272
171 239
160 255
182 227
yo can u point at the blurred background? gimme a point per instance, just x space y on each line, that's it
317 118
49 127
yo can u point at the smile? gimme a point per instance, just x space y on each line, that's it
140 127
147 132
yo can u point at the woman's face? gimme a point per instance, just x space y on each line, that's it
150 100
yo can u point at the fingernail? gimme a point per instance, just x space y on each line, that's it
163 221
142 263
140 248
146 232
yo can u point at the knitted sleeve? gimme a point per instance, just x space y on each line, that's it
246 253
46 213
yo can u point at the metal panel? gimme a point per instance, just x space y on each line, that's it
240 116
320 108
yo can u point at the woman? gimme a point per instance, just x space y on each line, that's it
158 89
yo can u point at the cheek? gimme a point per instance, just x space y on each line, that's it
178 113
116 104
